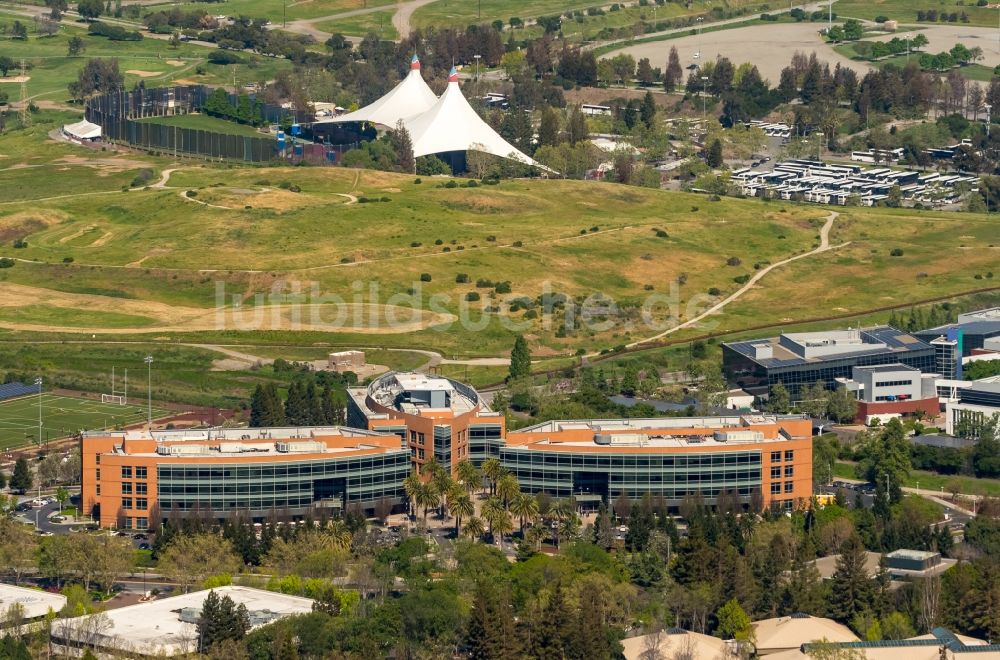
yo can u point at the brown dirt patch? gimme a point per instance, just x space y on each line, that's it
392 190
178 318
143 74
175 62
77 234
104 166
103 239
21 224
15 79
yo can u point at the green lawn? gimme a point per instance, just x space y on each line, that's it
63 416
149 60
905 11
932 481
274 10
971 71
206 123
379 22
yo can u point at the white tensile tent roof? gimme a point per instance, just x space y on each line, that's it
452 125
83 130
411 96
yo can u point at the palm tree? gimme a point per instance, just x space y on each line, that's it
469 475
507 488
492 469
525 507
501 526
535 534
474 528
427 497
412 485
492 511
462 507
443 484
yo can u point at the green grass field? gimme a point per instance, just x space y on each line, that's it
140 264
62 416
379 22
932 481
206 123
150 60
905 11
970 72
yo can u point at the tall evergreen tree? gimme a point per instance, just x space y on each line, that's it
21 480
402 144
548 129
520 359
647 111
851 590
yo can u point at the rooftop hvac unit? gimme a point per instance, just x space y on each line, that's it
739 436
300 447
180 450
620 439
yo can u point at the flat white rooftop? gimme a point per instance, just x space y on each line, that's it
236 434
156 628
35 602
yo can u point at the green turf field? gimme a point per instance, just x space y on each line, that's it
62 416
206 123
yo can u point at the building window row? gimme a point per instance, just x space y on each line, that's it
893 383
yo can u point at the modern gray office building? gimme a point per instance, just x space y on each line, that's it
798 359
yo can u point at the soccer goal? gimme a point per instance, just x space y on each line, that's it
117 397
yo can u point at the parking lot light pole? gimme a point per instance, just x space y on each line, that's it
149 389
38 381
704 101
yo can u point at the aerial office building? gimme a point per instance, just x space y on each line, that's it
802 358
967 336
136 479
762 458
433 416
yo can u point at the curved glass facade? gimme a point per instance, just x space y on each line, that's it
672 476
292 485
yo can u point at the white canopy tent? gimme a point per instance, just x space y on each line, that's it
452 125
82 130
411 96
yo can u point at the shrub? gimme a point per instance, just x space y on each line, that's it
503 287
416 244
733 261
896 252
741 279
192 193
438 242
714 291
462 278
417 181
294 188
491 239
483 283
518 243
20 243
472 296
67 260
6 262
425 277
662 234
224 57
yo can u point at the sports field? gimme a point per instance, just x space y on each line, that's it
62 416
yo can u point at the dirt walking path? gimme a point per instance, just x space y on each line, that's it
824 245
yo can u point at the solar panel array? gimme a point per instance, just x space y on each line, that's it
11 390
